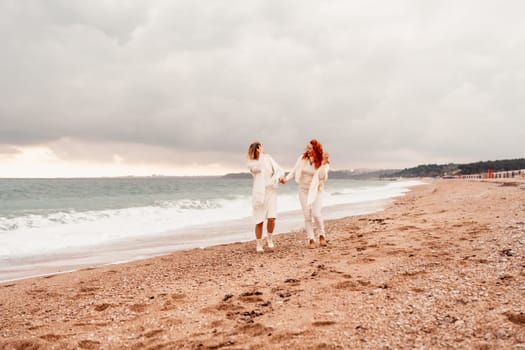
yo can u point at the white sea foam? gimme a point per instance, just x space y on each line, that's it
37 234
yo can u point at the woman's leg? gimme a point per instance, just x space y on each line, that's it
270 226
258 230
258 236
271 214
316 214
307 212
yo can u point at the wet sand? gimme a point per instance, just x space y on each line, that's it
442 267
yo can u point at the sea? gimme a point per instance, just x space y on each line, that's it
49 226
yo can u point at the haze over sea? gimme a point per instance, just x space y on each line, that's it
56 225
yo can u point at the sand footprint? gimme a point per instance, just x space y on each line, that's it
88 344
286 336
517 318
153 333
102 307
139 308
255 329
251 297
293 281
50 337
172 304
323 323
358 285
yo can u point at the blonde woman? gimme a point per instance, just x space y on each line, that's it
266 173
311 172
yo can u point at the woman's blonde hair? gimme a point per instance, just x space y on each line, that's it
253 151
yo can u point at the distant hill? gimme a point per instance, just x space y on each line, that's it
433 170
238 176
427 170
362 174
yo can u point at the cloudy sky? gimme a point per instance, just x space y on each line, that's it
105 88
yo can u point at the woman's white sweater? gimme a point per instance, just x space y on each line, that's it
319 178
266 172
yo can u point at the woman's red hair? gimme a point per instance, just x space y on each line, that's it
317 153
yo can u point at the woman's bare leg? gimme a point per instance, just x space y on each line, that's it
258 237
270 226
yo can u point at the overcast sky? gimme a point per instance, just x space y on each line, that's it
93 88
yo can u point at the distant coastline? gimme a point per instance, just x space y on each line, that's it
424 170
337 174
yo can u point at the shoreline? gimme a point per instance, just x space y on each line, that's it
141 248
441 267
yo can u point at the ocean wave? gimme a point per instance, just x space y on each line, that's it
189 204
66 230
71 217
52 219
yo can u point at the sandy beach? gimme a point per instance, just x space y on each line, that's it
442 267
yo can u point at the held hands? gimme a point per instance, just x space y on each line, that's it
326 160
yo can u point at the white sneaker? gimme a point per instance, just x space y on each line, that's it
259 248
270 243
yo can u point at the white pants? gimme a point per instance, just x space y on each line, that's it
312 213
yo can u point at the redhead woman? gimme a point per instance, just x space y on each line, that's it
311 172
266 173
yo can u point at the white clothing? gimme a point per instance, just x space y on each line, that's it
317 181
258 189
268 209
311 184
307 175
312 212
266 173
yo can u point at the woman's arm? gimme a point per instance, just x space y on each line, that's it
323 172
292 172
254 166
278 172
325 166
